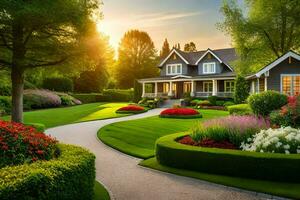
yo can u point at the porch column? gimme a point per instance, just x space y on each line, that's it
257 85
214 93
155 89
143 94
252 87
193 89
266 83
170 93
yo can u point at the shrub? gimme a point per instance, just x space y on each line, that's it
180 113
264 103
138 90
235 129
23 144
254 165
68 100
119 95
5 104
131 109
70 176
240 109
228 103
220 103
289 115
34 99
204 103
282 140
194 102
212 100
5 90
59 84
241 90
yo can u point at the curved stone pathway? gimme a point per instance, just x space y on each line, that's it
125 179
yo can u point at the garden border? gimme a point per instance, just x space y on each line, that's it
181 116
227 162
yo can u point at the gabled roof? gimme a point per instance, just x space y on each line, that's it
193 58
275 63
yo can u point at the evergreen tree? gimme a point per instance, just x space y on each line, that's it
165 50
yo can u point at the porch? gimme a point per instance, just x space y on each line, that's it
196 88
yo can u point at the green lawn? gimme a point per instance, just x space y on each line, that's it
100 193
290 190
137 137
61 116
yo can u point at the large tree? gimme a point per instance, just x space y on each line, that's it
190 47
165 50
137 58
36 33
263 30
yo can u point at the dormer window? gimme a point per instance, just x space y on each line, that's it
209 68
174 69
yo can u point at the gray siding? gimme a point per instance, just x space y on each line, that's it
163 71
283 68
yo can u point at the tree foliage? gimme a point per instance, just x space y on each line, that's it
137 59
190 47
165 50
267 30
42 33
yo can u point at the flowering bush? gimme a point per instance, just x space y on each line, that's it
180 113
235 129
40 99
131 109
23 144
282 140
288 115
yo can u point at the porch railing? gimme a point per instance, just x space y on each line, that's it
152 95
218 94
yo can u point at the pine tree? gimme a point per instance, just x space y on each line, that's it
165 50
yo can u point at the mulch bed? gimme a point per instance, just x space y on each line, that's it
187 140
213 107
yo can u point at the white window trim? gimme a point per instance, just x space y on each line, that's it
210 82
228 81
292 86
173 65
209 63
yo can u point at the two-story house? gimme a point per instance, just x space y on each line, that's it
201 73
211 73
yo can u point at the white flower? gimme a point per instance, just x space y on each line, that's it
287 152
286 146
298 150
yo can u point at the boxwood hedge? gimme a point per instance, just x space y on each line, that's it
267 166
70 176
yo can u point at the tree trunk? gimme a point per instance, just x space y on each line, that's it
17 77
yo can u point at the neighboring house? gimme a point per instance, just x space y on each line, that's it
201 73
211 73
281 75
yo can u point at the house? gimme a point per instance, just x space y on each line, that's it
283 75
211 73
201 73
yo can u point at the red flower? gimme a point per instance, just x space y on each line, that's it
40 152
34 159
179 111
131 108
4 148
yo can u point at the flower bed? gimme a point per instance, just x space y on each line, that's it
70 176
207 142
266 166
24 144
232 130
283 140
131 109
180 113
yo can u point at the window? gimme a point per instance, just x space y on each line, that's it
209 68
229 86
187 87
174 69
290 84
207 86
165 87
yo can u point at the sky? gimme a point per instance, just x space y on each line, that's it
180 21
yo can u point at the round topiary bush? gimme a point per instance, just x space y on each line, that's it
131 109
24 144
264 103
184 113
70 176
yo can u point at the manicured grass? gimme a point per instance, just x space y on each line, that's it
100 192
137 137
291 190
61 116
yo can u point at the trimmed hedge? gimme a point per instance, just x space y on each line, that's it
71 176
240 109
59 84
267 166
